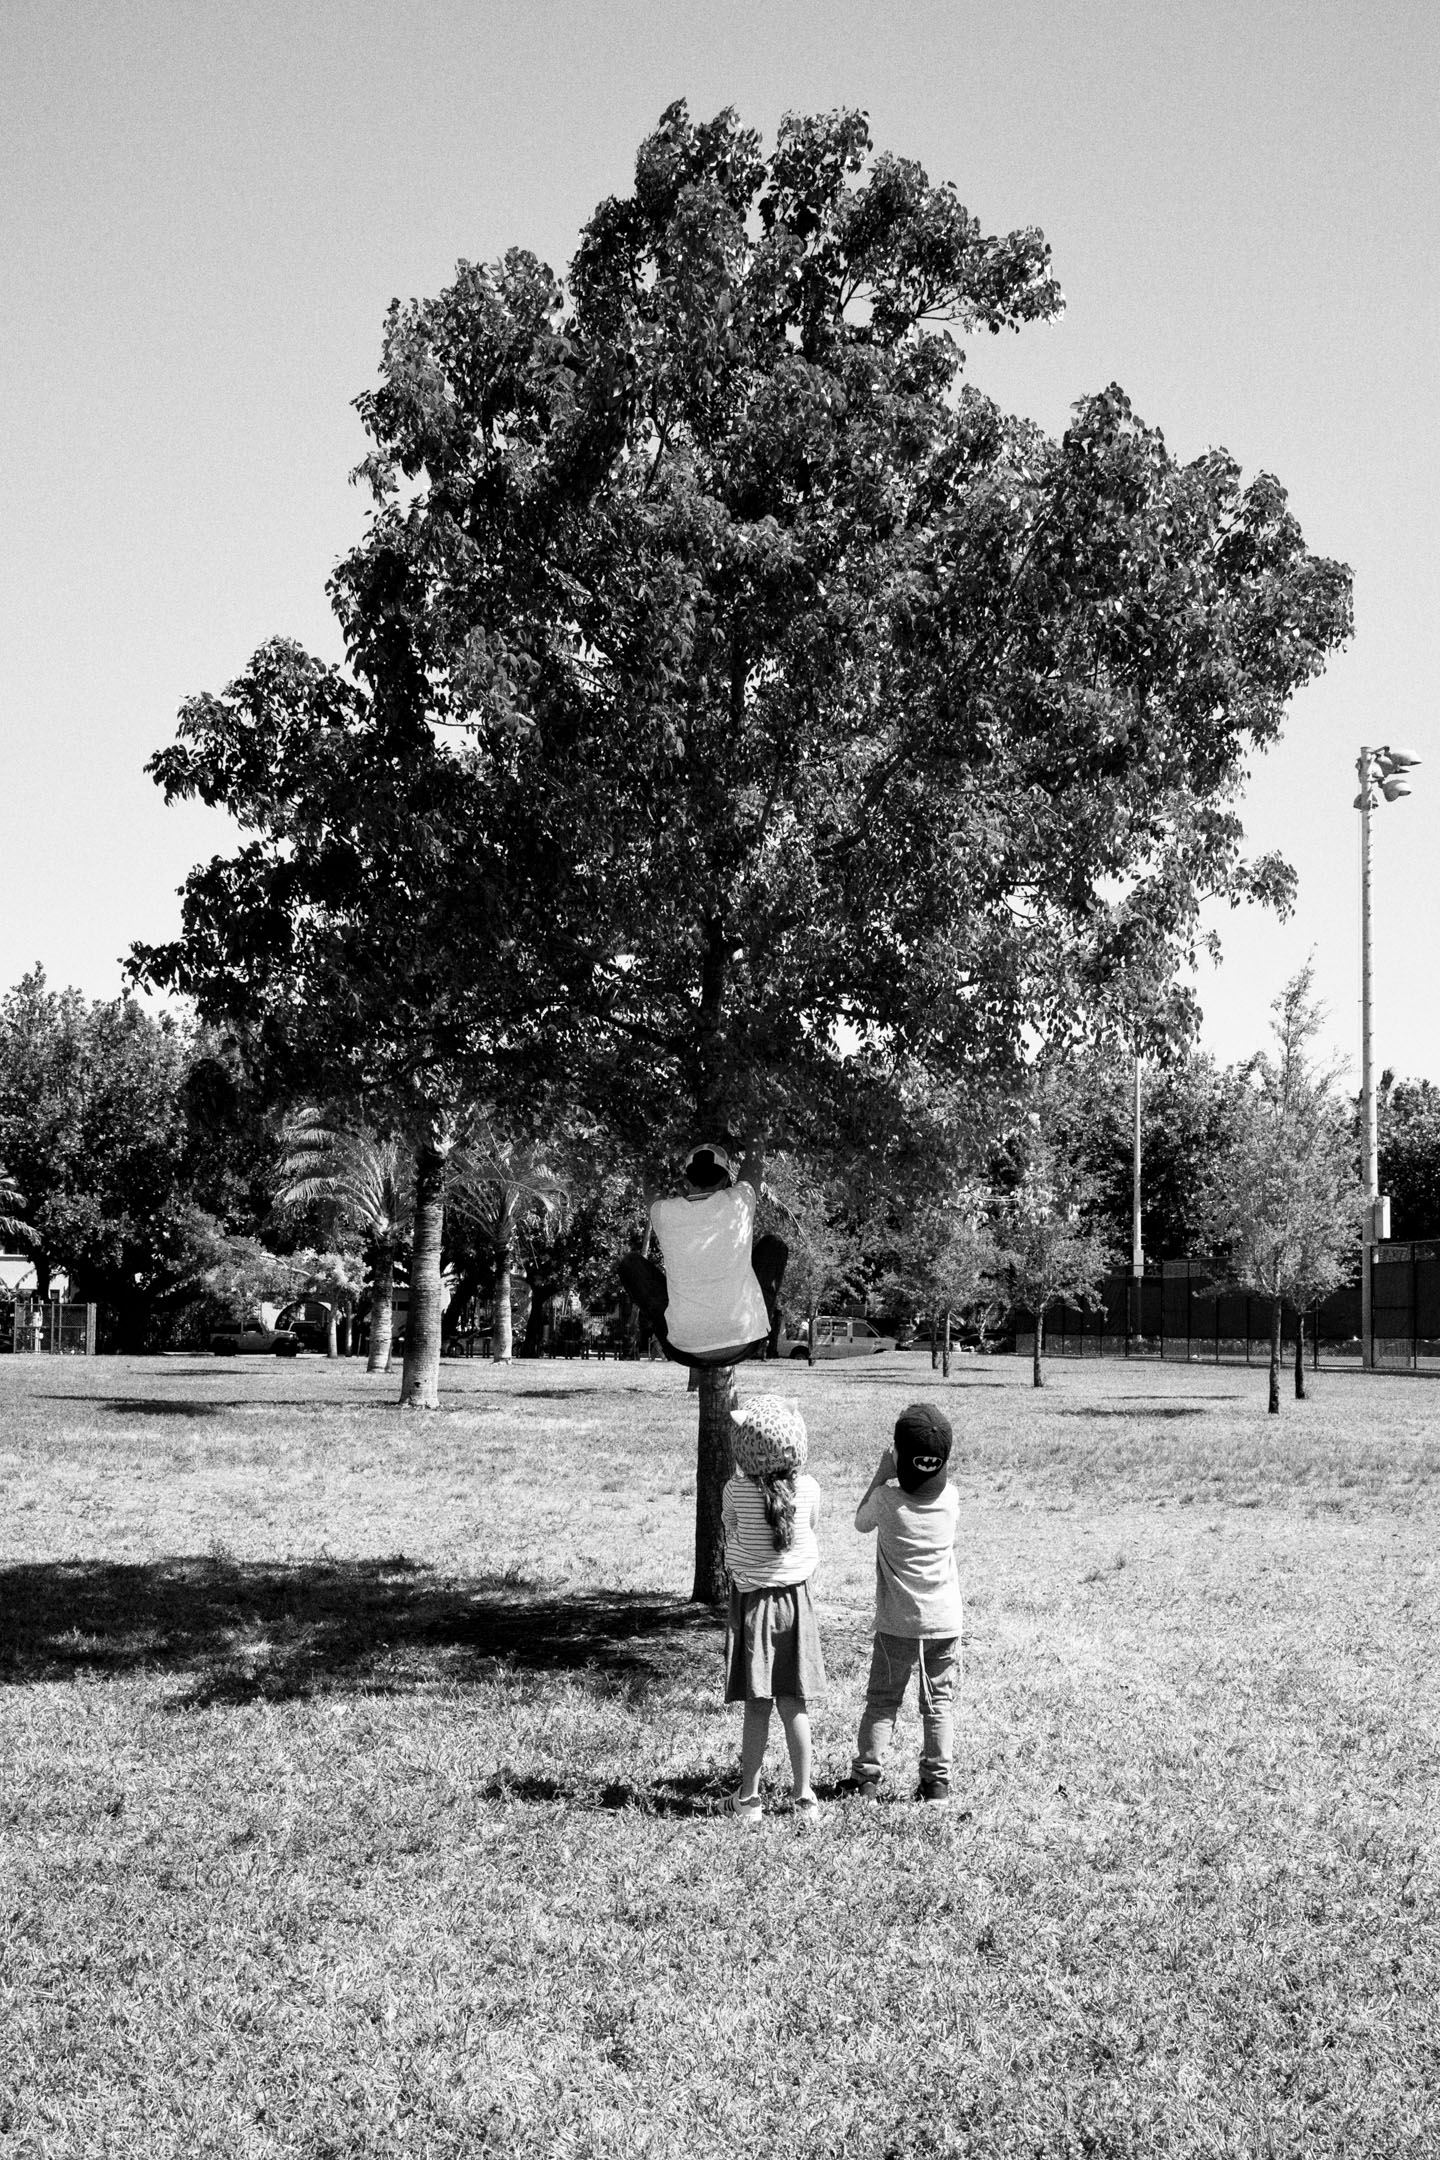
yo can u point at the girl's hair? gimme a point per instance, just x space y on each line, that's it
777 1490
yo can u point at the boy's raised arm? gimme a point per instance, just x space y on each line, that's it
885 1469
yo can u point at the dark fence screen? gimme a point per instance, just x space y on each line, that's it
1178 1310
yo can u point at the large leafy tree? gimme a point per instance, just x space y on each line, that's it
855 717
98 1127
358 944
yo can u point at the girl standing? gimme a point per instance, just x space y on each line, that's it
769 1510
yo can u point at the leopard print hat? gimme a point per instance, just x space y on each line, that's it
768 1435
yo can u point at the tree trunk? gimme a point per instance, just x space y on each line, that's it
345 1334
1276 1310
420 1379
332 1332
945 1354
41 1265
540 1308
810 1337
502 1342
382 1308
934 1345
1039 1346
714 1463
1300 1357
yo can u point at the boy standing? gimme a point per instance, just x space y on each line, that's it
914 1510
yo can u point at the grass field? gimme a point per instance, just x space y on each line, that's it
359 1776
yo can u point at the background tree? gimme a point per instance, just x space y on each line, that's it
364 1181
1052 1244
1284 1208
947 1263
361 942
1186 1104
1409 1125
825 1260
496 1183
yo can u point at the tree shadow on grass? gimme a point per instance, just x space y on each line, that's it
1149 1414
198 1406
241 1632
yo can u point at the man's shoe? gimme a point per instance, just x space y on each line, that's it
935 1789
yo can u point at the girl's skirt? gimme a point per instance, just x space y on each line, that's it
772 1646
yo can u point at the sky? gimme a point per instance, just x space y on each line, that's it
206 209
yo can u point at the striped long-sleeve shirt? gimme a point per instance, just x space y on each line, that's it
750 1553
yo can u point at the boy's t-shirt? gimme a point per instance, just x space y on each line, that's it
712 1298
917 1583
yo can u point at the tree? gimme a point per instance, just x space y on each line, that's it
946 1262
360 942
1409 1123
819 717
824 1252
1284 1208
495 1183
1185 1121
1051 1247
365 1182
96 1129
844 703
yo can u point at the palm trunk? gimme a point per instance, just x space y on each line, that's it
382 1308
714 1464
1300 1357
420 1379
1276 1311
502 1342
332 1332
1039 1346
945 1353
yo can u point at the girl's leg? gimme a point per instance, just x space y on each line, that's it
796 1720
754 1733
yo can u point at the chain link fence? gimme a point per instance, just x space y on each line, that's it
1177 1310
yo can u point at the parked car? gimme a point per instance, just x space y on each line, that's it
307 1321
836 1337
251 1338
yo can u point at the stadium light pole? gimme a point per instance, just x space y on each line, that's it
1381 773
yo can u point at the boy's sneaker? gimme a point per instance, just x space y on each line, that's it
936 1789
861 1788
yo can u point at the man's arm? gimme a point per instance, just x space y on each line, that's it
752 1165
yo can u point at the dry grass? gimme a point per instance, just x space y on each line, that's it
357 1777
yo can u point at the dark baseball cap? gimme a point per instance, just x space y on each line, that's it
923 1441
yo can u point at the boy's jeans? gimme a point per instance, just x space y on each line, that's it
936 1662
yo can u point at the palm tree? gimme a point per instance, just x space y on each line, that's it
13 1226
496 1183
367 1179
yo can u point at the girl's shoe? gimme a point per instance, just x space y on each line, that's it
745 1813
807 1811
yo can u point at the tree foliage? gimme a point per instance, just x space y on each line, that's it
1409 1126
1284 1206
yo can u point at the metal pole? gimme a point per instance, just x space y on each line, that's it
1370 1138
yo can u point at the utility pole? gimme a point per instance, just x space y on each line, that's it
1381 773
